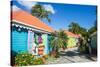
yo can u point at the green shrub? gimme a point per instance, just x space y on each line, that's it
23 59
83 49
38 61
45 56
57 55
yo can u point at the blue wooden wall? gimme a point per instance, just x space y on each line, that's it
19 40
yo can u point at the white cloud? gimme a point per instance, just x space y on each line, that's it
30 4
27 4
49 7
15 8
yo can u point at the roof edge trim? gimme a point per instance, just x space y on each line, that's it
29 25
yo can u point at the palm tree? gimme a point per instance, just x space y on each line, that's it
94 28
74 27
58 40
63 36
40 12
77 29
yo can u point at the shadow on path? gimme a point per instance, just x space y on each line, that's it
69 53
75 53
69 60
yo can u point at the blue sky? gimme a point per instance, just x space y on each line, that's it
63 14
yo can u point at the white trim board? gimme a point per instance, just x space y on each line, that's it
34 28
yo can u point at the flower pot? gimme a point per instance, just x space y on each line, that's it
40 52
41 48
41 45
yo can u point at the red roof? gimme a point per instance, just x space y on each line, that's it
28 19
71 34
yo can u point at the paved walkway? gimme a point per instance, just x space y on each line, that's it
70 56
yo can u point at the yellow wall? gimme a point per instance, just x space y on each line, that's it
71 42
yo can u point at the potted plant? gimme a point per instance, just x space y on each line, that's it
40 49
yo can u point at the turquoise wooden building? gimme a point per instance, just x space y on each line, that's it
26 31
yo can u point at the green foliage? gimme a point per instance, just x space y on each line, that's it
74 27
84 32
63 36
93 29
35 39
83 49
58 40
77 29
57 43
38 61
45 56
24 59
40 12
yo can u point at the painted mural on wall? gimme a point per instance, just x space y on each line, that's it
39 44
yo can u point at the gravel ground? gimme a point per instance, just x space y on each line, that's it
70 55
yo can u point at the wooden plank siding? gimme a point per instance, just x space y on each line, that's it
19 40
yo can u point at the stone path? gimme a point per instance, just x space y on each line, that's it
70 56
